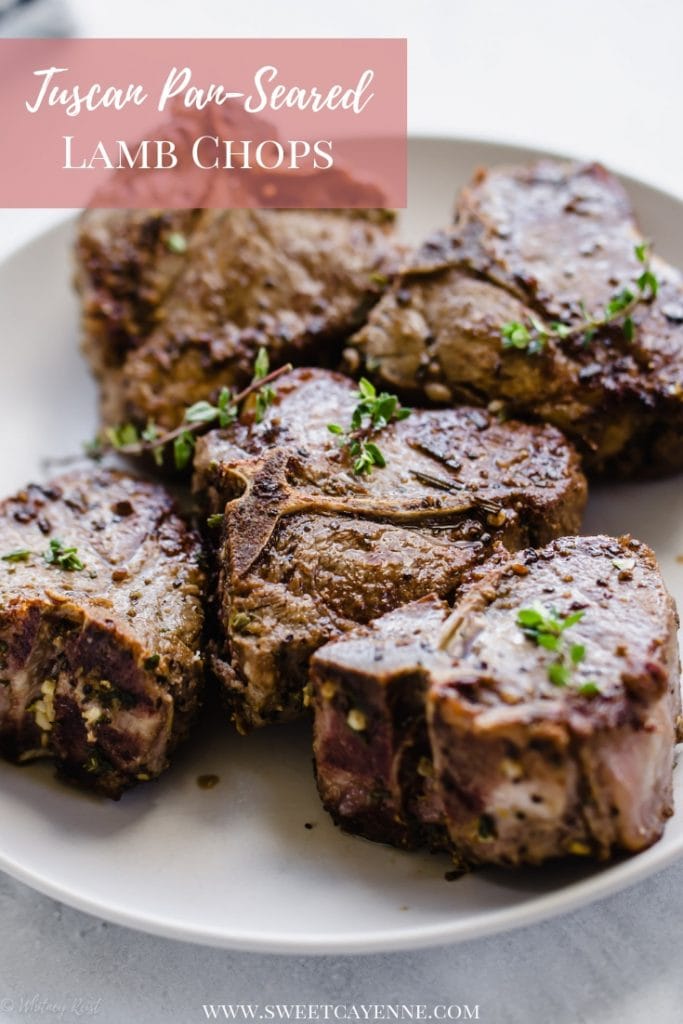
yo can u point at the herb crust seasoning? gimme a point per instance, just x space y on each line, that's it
544 300
312 541
502 758
100 628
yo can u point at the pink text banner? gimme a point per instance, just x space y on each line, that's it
212 123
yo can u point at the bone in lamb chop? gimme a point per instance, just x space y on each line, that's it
535 720
309 547
498 309
100 628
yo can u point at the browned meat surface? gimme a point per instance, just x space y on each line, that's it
521 761
371 750
309 549
100 664
551 240
177 304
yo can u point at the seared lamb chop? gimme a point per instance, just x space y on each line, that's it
551 697
310 548
177 304
555 241
100 628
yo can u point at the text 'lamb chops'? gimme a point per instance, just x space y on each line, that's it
310 546
535 720
543 300
100 628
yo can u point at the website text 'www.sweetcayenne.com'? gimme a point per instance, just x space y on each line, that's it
341 1011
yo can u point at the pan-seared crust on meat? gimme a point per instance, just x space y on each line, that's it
101 666
529 770
444 729
551 240
310 549
177 304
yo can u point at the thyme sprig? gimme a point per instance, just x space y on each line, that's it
64 556
127 439
372 413
547 628
533 336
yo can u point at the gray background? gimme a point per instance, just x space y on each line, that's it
594 78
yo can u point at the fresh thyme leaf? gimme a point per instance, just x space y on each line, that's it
577 652
375 454
227 411
561 330
125 434
201 412
642 251
589 689
215 520
176 242
18 555
264 398
378 410
63 556
150 434
183 449
558 674
648 282
547 628
261 364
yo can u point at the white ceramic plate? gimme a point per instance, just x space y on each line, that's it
235 866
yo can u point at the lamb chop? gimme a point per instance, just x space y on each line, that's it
311 547
540 246
543 711
177 304
100 628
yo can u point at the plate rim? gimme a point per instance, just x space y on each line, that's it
536 908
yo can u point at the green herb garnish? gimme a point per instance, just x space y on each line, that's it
533 336
18 555
215 520
265 396
547 629
64 557
378 410
128 440
176 243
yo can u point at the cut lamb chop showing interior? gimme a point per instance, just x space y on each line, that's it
100 628
177 304
371 750
310 548
546 243
542 712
